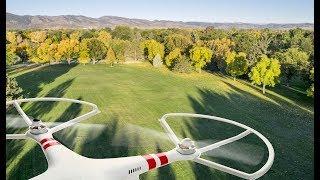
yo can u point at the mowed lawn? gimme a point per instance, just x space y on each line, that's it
133 97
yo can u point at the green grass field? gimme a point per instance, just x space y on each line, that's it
138 95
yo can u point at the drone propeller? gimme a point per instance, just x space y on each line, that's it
244 153
202 150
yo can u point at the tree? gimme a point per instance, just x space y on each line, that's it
122 32
119 47
84 57
265 72
97 50
200 56
237 64
174 41
221 48
43 54
69 49
310 91
248 42
55 55
56 36
11 37
11 58
151 48
38 36
31 49
76 35
21 50
13 91
173 57
104 37
111 57
134 52
293 61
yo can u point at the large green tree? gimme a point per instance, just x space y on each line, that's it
122 32
97 50
265 72
293 62
119 47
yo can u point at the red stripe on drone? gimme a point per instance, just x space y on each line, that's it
47 142
163 158
151 161
52 143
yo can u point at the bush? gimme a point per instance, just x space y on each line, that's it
13 91
12 59
183 66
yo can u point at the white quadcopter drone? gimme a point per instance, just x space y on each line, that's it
66 164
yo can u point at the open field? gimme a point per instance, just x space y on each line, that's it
137 95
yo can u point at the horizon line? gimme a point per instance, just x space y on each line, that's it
258 23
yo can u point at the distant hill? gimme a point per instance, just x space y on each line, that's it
76 21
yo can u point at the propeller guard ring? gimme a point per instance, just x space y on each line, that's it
218 166
71 122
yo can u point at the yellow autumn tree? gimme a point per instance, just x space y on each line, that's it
200 56
84 57
69 49
111 57
221 48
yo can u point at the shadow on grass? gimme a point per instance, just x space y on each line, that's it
289 97
32 82
38 109
289 131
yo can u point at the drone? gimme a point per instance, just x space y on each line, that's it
63 163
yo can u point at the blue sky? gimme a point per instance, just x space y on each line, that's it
253 11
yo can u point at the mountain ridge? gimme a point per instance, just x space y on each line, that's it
80 21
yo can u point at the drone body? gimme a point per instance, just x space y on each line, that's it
66 164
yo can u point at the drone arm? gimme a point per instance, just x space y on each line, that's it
21 112
16 136
224 142
169 131
75 120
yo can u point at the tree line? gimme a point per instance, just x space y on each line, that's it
261 55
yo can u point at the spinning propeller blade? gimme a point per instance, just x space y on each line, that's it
244 153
